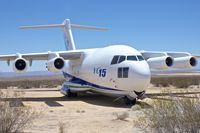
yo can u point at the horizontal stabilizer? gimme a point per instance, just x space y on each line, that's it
43 26
76 26
88 27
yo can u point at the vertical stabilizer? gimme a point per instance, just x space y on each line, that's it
68 37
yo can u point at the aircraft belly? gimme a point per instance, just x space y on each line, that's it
109 92
75 82
76 87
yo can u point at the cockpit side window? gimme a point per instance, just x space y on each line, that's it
120 72
132 58
115 60
125 72
121 59
140 58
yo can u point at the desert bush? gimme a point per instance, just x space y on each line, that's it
14 119
179 82
61 126
175 116
26 84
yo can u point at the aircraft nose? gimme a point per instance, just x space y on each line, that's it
142 71
141 75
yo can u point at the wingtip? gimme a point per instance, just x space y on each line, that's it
197 56
22 27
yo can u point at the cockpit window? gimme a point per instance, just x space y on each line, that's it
121 59
131 58
115 60
140 58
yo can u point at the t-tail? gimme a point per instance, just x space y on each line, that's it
67 26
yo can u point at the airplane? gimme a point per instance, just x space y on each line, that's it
116 70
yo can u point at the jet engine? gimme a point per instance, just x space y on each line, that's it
20 65
163 62
56 64
185 62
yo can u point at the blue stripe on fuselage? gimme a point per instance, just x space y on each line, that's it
76 80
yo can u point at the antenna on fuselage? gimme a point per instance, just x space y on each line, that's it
67 26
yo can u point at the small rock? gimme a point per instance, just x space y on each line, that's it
136 107
121 116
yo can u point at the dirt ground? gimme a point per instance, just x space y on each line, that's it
89 113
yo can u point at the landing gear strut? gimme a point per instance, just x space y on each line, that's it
67 92
129 101
71 94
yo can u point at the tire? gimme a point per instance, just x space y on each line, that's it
71 94
134 101
129 101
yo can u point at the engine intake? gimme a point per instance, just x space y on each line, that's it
163 62
20 65
56 64
169 61
185 62
59 63
193 61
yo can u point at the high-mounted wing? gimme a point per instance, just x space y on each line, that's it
55 60
67 55
164 60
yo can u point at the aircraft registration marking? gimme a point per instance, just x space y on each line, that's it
101 72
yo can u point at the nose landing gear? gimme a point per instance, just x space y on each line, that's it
130 101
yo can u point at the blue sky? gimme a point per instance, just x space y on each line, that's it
159 25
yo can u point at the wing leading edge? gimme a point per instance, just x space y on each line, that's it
67 55
152 54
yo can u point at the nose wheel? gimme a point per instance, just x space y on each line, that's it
130 101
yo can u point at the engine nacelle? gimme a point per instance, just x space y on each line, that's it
185 62
20 65
56 64
163 62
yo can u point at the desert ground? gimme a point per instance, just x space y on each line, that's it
90 113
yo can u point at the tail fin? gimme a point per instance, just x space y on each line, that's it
67 26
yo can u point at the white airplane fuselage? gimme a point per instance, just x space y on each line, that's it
95 70
117 70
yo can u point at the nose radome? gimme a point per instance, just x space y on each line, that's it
142 70
142 75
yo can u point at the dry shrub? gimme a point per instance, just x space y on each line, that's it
26 84
176 116
179 82
14 119
61 126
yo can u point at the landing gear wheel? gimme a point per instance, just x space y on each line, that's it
133 102
129 101
71 94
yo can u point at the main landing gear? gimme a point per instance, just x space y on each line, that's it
71 94
130 101
67 92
